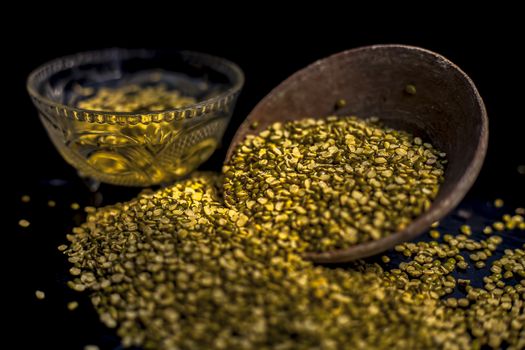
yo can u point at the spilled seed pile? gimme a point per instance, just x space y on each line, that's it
334 182
181 269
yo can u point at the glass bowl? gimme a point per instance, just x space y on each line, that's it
135 148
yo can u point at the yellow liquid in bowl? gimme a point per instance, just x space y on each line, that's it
139 154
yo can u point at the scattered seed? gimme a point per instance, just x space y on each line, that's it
340 103
40 295
72 305
480 264
498 226
410 89
498 202
434 234
91 347
24 223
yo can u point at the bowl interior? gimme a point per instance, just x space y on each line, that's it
445 110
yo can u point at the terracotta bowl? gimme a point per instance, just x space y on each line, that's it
446 109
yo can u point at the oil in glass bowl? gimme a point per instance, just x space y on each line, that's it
136 117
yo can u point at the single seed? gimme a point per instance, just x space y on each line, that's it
410 89
498 202
465 229
462 265
24 223
340 103
40 295
91 347
480 264
498 226
434 234
463 302
72 305
452 302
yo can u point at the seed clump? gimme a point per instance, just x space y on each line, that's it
176 268
215 261
333 183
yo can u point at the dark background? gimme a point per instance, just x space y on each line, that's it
268 49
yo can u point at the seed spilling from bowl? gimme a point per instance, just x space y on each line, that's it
334 182
176 268
218 261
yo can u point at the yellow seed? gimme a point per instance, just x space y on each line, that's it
51 203
242 220
281 218
75 206
386 173
498 202
400 151
340 103
24 223
499 226
399 180
75 271
62 247
262 200
465 229
25 198
40 295
91 347
410 89
434 234
357 195
72 305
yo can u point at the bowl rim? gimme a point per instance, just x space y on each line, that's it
94 56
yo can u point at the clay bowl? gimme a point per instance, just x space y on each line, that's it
447 110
